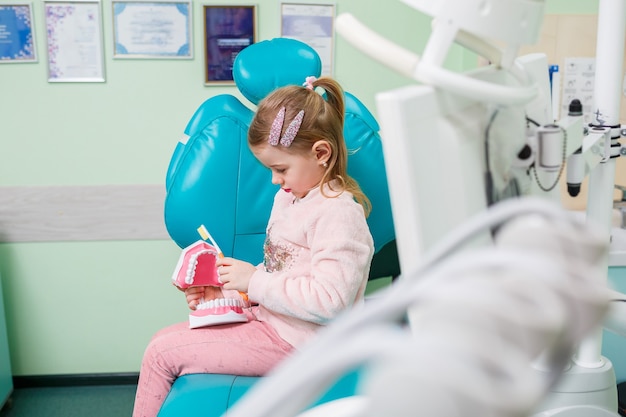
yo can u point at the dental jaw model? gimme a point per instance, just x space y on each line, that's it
196 268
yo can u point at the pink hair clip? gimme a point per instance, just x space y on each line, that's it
292 130
308 82
277 126
290 133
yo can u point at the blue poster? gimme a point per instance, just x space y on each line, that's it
16 33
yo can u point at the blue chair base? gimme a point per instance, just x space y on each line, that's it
210 395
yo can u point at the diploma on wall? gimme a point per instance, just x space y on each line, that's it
152 29
75 49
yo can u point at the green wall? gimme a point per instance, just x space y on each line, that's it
91 307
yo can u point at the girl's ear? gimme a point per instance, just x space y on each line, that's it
322 151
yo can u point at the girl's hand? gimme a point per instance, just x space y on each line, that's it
235 274
197 295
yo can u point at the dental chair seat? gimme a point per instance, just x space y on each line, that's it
211 395
214 180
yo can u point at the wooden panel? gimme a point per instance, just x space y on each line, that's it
82 213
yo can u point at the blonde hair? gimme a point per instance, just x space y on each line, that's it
323 120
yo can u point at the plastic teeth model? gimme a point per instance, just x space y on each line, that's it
196 268
218 311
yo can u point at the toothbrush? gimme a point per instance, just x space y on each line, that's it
205 235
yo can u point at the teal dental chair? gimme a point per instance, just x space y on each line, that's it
214 180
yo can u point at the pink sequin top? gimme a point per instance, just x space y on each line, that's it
318 252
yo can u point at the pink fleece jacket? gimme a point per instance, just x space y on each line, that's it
318 252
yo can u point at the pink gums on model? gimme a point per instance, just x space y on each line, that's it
196 268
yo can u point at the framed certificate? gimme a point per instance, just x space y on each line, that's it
227 30
312 24
152 29
17 43
75 49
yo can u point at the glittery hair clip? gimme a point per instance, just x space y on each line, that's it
291 131
308 82
277 126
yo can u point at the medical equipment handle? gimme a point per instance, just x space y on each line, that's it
376 46
408 64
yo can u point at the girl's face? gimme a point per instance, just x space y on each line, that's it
295 173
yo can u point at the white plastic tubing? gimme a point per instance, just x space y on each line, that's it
486 314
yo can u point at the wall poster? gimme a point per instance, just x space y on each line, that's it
227 30
17 43
312 24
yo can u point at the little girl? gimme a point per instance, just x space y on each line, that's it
317 251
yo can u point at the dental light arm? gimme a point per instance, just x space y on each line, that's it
396 57
376 46
423 70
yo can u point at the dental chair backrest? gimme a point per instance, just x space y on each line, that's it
214 180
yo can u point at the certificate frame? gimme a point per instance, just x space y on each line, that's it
17 39
152 29
74 39
228 29
314 24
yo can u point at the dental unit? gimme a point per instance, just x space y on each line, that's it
503 293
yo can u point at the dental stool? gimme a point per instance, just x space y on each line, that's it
214 180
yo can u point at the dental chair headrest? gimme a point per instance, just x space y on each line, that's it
297 61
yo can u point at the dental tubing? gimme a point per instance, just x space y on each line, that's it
484 316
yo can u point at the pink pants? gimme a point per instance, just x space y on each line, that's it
249 349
